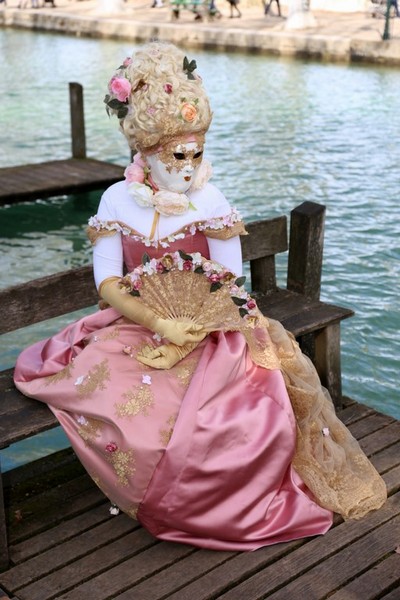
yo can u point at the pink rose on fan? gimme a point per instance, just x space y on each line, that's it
137 284
207 266
214 278
187 265
160 268
120 88
251 304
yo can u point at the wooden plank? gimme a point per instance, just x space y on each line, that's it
33 418
387 458
381 439
43 180
354 412
231 572
84 569
66 530
392 595
80 493
130 572
266 238
370 424
373 583
321 567
392 480
171 579
69 551
47 297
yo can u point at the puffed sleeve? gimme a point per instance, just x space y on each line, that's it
107 251
224 240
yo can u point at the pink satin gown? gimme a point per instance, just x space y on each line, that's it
199 454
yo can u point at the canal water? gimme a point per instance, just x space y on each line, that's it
283 132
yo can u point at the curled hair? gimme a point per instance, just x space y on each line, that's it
167 98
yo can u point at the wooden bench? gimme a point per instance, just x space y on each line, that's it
315 324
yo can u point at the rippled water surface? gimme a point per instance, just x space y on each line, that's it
283 132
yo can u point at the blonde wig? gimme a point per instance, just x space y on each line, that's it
162 97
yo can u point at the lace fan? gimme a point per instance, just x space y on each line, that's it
191 288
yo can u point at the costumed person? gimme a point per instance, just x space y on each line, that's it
191 411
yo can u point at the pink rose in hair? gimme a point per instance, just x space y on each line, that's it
135 171
168 88
188 112
120 88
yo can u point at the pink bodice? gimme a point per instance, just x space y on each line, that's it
133 250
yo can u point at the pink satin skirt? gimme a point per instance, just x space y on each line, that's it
199 454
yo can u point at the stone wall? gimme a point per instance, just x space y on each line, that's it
328 5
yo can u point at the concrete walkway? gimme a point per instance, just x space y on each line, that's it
336 37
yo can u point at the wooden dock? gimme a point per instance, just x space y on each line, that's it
66 546
43 180
53 178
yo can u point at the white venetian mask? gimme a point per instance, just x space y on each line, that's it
175 166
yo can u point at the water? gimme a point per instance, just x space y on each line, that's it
283 132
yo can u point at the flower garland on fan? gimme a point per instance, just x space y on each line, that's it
216 274
144 191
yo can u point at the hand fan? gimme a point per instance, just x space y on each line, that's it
192 288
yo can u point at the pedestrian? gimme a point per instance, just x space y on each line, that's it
268 6
234 7
395 5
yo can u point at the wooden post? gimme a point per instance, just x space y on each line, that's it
78 136
327 362
306 249
4 559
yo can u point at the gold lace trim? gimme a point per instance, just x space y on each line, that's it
224 233
227 232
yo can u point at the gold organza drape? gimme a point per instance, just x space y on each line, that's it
328 458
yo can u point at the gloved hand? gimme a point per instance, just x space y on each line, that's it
178 332
165 356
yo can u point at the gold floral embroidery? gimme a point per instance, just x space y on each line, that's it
95 379
185 370
90 430
132 511
65 373
111 335
123 464
140 399
165 434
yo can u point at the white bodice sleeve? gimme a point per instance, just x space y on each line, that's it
107 252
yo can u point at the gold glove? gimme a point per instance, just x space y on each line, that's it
166 356
178 332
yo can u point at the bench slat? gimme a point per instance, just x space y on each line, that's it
47 297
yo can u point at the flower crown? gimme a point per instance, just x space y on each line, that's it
120 88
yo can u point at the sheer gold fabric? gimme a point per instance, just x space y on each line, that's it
328 458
